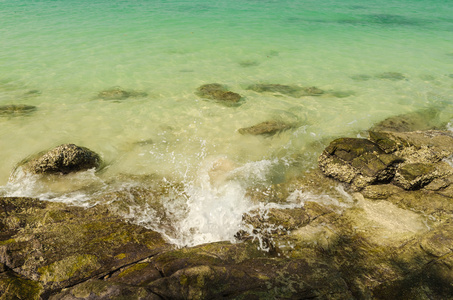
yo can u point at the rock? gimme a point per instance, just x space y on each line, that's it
416 146
16 109
359 162
391 76
13 286
117 93
420 120
64 159
55 246
97 289
289 90
216 91
412 159
429 264
265 128
412 176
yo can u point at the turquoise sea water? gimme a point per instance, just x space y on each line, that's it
58 55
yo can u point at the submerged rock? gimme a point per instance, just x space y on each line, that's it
216 91
395 76
266 128
420 120
289 90
16 109
66 158
117 93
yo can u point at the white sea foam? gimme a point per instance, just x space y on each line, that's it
75 189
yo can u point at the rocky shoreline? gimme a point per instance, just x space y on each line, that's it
391 239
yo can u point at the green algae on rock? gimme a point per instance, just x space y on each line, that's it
266 128
359 162
63 159
13 286
216 91
57 245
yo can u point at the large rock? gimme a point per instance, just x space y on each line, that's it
411 159
216 91
359 162
64 159
54 246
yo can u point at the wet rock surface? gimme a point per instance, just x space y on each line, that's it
50 246
216 91
359 162
266 128
63 159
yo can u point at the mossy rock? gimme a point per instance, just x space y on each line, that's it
429 146
63 159
216 91
13 286
59 245
100 289
267 128
359 162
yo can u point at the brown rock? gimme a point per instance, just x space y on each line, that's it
64 159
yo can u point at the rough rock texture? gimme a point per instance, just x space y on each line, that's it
48 246
411 159
118 93
64 159
16 109
216 91
359 162
266 128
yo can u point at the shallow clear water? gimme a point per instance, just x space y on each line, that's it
58 55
